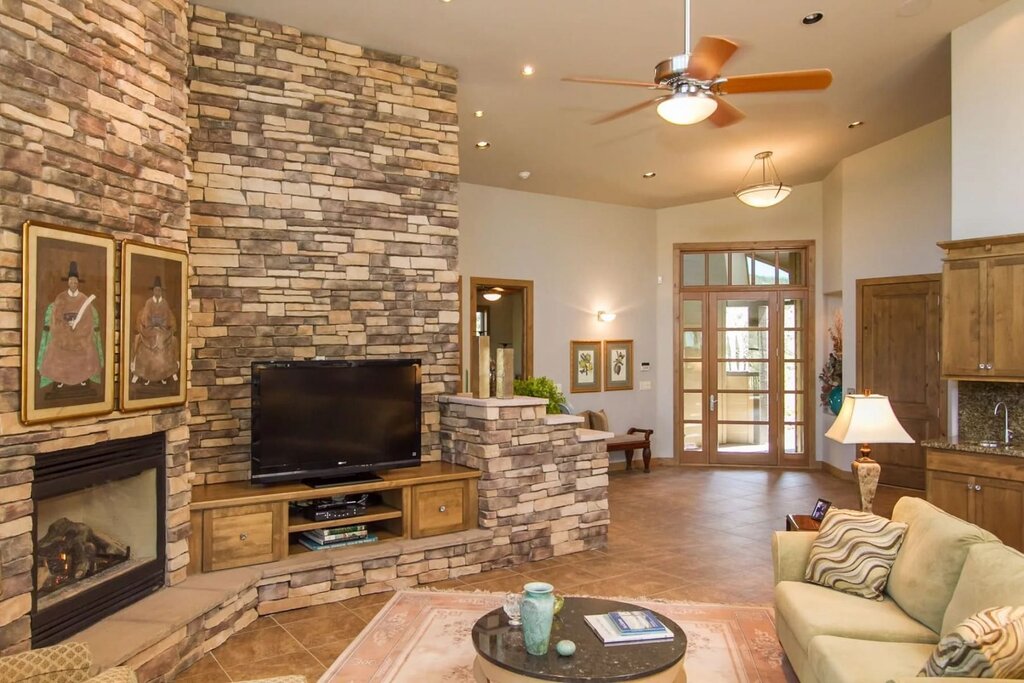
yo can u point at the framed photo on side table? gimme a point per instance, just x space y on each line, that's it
820 508
584 366
67 354
618 364
154 296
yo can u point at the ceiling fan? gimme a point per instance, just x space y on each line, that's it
695 85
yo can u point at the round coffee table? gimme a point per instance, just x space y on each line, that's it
502 657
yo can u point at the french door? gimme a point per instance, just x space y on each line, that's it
743 377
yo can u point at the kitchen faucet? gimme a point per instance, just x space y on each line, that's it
1007 434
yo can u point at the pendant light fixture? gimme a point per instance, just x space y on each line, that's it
770 191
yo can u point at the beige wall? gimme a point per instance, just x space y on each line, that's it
987 110
582 257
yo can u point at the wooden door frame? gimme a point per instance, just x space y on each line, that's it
809 455
859 305
526 287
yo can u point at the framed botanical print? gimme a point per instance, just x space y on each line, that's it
67 354
584 366
154 296
618 362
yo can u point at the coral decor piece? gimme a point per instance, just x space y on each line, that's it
831 376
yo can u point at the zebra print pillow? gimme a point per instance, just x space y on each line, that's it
854 552
989 644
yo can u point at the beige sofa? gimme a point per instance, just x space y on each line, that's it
946 570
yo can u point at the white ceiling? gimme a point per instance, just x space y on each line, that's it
890 70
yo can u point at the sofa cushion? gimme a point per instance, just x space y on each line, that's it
930 560
812 610
599 420
587 423
993 576
849 660
989 644
854 552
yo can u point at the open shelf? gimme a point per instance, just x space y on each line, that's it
382 536
374 513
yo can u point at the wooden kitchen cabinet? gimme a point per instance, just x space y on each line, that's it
987 490
982 309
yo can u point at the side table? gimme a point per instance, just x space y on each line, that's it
801 523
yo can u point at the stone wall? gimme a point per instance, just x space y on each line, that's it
544 488
324 218
93 135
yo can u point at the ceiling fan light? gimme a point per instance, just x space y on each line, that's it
686 108
492 295
763 195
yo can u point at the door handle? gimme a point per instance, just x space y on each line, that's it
712 402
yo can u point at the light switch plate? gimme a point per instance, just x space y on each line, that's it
645 386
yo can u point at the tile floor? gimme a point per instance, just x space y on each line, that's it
676 534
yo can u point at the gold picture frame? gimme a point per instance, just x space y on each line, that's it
154 314
618 364
67 303
584 366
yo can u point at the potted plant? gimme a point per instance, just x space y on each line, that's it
541 387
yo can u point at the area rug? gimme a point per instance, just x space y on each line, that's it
425 637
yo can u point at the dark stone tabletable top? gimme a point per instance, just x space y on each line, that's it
503 646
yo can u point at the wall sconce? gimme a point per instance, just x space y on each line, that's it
605 316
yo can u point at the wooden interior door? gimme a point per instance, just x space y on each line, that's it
898 355
1005 316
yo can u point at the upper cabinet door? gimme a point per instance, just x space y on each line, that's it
1005 343
963 302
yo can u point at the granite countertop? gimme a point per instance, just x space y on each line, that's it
954 443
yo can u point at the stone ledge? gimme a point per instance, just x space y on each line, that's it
514 402
563 419
585 435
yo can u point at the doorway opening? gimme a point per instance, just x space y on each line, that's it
501 309
744 335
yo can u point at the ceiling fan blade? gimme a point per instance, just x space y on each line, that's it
627 111
811 79
726 114
709 56
610 81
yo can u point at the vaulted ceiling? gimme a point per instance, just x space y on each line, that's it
890 59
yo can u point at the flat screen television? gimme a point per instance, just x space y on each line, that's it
325 420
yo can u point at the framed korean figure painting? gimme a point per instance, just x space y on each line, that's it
154 296
618 361
67 354
584 366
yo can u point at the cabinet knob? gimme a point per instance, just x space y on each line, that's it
988 366
977 487
981 366
243 536
443 508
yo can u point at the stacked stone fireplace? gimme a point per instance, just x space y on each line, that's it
99 533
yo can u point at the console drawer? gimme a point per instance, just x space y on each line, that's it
439 508
242 535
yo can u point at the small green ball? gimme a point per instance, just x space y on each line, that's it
566 648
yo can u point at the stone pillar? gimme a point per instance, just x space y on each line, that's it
544 489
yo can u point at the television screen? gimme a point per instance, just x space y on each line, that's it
332 419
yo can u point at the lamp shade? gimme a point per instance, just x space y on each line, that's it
686 108
867 418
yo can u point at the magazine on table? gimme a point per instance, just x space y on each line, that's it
604 626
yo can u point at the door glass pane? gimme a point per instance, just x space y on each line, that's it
763 268
745 407
793 438
718 269
738 262
793 408
691 406
793 313
693 270
754 376
692 378
742 313
743 438
692 314
693 437
692 343
793 376
791 267
741 345
792 344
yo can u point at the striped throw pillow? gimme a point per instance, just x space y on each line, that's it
989 644
854 552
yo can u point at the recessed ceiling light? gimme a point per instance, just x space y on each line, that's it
649 174
528 70
855 124
478 113
813 18
483 144
524 175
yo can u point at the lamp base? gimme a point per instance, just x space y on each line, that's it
867 472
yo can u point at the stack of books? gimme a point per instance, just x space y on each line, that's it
336 537
640 626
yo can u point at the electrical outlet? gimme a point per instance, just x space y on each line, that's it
645 385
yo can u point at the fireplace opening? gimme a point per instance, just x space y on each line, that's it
99 533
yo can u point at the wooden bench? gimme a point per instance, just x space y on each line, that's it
629 442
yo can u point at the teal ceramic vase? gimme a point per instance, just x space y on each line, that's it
835 400
538 611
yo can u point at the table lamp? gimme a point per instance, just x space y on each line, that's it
866 419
